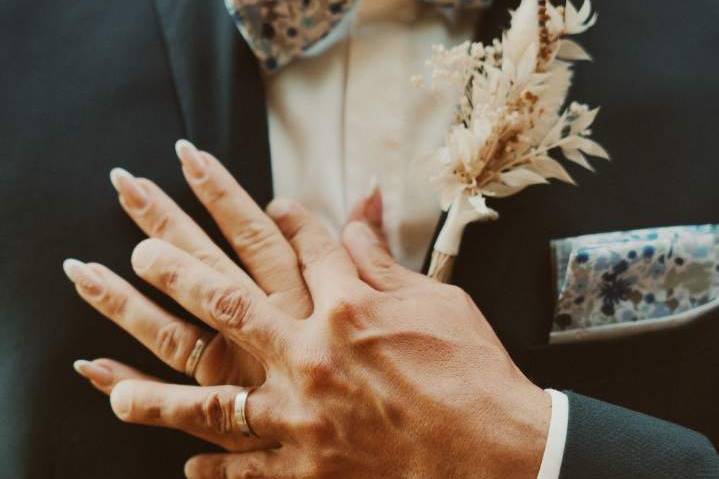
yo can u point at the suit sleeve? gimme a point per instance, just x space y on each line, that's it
606 441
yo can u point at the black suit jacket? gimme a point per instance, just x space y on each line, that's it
92 85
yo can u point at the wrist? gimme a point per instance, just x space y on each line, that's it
515 437
530 432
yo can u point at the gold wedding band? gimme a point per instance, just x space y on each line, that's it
241 414
194 358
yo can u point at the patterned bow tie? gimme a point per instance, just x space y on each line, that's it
278 31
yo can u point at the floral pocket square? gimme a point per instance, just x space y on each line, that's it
634 276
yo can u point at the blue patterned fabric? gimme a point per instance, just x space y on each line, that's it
278 31
634 275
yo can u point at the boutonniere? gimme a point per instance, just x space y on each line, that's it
512 117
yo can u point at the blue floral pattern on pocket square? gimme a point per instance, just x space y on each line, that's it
631 276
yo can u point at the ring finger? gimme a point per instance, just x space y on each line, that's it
205 412
170 338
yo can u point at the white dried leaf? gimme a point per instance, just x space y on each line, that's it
571 15
510 110
584 121
523 31
585 10
499 190
556 22
577 157
571 50
548 167
578 21
555 132
592 148
527 65
521 177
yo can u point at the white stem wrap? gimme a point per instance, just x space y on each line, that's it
463 211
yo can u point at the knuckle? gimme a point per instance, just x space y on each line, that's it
251 471
169 277
455 293
253 236
160 223
351 309
213 193
316 252
115 304
211 259
326 464
318 429
382 263
319 374
230 307
344 308
324 431
171 340
220 471
216 413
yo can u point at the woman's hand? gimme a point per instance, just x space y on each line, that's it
391 374
271 262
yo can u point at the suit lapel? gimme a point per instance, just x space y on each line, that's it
219 88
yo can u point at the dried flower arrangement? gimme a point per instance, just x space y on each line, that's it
510 116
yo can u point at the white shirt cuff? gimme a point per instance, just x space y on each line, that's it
556 437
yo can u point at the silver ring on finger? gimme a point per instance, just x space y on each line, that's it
241 412
193 360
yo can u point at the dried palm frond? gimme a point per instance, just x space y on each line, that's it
510 116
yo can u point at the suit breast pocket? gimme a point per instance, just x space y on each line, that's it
668 368
620 284
617 330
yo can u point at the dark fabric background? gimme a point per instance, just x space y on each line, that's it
655 75
90 85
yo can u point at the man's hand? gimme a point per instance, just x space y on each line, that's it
393 374
390 375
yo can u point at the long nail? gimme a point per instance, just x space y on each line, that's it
96 373
192 469
83 276
191 159
128 188
121 400
145 253
373 204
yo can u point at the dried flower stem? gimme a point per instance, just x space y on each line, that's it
509 117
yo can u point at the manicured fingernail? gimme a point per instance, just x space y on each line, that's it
83 276
128 188
191 468
190 158
279 207
373 186
96 373
373 205
144 254
120 399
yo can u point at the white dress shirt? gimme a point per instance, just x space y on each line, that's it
347 113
